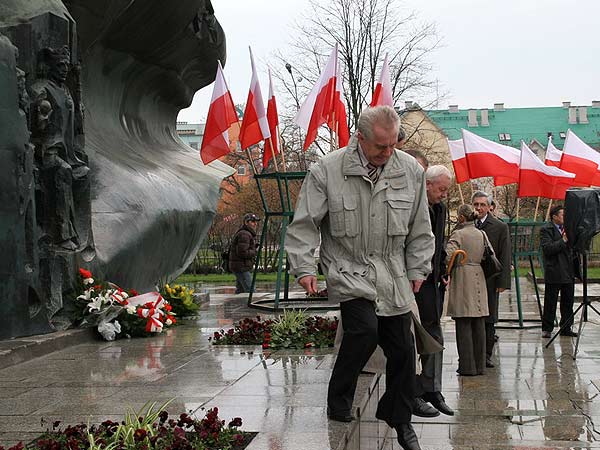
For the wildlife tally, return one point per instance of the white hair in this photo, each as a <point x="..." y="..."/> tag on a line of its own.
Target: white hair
<point x="384" y="116"/>
<point x="436" y="171"/>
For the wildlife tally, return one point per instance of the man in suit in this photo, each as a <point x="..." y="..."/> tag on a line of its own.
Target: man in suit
<point x="559" y="274"/>
<point x="430" y="298"/>
<point x="499" y="236"/>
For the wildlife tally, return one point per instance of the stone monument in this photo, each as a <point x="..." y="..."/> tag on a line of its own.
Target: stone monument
<point x="94" y="174"/>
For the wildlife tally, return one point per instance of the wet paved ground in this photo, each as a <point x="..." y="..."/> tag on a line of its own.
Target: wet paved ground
<point x="535" y="398"/>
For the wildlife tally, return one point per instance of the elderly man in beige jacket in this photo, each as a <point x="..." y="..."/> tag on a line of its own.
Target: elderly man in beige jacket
<point x="368" y="206"/>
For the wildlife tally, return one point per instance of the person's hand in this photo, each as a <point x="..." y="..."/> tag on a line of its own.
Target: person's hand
<point x="445" y="280"/>
<point x="416" y="285"/>
<point x="564" y="237"/>
<point x="500" y="290"/>
<point x="309" y="283"/>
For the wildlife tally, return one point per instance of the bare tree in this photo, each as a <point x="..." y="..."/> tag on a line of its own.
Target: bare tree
<point x="365" y="30"/>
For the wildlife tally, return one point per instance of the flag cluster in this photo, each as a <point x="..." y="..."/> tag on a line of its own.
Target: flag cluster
<point x="577" y="165"/>
<point x="324" y="105"/>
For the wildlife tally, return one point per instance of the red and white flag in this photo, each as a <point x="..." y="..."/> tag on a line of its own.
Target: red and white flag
<point x="582" y="160"/>
<point x="338" y="122"/>
<point x="459" y="160"/>
<point x="553" y="155"/>
<point x="383" y="90"/>
<point x="221" y="115"/>
<point x="255" y="127"/>
<point x="273" y="120"/>
<point x="318" y="106"/>
<point x="486" y="158"/>
<point x="536" y="179"/>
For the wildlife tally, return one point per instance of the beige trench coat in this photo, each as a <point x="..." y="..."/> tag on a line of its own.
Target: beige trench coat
<point x="467" y="292"/>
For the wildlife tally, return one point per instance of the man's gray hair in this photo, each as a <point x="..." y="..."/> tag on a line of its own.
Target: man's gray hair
<point x="480" y="194"/>
<point x="437" y="171"/>
<point x="383" y="116"/>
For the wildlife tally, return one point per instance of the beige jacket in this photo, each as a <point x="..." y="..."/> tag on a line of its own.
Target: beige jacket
<point x="467" y="293"/>
<point x="374" y="239"/>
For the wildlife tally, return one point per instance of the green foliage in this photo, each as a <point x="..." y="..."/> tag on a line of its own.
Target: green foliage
<point x="293" y="329"/>
<point x="148" y="429"/>
<point x="181" y="299"/>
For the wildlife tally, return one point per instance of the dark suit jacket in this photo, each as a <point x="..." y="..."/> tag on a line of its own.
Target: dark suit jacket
<point x="430" y="297"/>
<point x="499" y="236"/>
<point x="558" y="258"/>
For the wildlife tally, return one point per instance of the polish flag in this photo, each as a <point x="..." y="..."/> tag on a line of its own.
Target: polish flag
<point x="273" y="119"/>
<point x="582" y="160"/>
<point x="318" y="106"/>
<point x="536" y="179"/>
<point x="459" y="160"/>
<point x="486" y="158"/>
<point x="221" y="115"/>
<point x="338" y="122"/>
<point x="383" y="91"/>
<point x="553" y="155"/>
<point x="255" y="127"/>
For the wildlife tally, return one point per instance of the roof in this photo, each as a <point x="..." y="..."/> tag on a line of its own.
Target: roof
<point x="523" y="124"/>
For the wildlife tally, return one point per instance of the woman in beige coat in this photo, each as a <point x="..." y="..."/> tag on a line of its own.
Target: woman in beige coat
<point x="467" y="296"/>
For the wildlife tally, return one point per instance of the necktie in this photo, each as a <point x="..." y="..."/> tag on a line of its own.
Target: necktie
<point x="372" y="171"/>
<point x="562" y="230"/>
<point x="479" y="223"/>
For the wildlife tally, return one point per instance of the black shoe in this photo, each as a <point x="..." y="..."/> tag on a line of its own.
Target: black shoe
<point x="423" y="409"/>
<point x="489" y="363"/>
<point x="343" y="417"/>
<point x="496" y="337"/>
<point x="568" y="333"/>
<point x="439" y="402"/>
<point x="407" y="438"/>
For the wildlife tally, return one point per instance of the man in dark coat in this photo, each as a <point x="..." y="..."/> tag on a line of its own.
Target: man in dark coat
<point x="559" y="274"/>
<point x="499" y="236"/>
<point x="242" y="253"/>
<point x="430" y="299"/>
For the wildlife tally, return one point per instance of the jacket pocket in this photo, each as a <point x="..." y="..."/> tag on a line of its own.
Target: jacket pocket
<point x="398" y="212"/>
<point x="343" y="216"/>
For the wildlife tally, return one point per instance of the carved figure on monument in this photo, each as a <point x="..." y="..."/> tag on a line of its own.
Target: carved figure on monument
<point x="57" y="133"/>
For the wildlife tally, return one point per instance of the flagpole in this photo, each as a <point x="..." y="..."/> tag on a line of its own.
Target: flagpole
<point x="251" y="161"/>
<point x="537" y="206"/>
<point x="518" y="205"/>
<point x="548" y="212"/>
<point x="272" y="153"/>
<point x="331" y="134"/>
<point x="281" y="148"/>
<point x="462" y="198"/>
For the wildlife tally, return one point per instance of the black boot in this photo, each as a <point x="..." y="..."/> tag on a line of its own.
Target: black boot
<point x="439" y="402"/>
<point x="407" y="438"/>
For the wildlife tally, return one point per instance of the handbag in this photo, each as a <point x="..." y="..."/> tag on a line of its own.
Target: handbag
<point x="491" y="266"/>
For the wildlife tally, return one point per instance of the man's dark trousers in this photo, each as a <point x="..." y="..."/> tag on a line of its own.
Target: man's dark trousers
<point x="363" y="330"/>
<point x="430" y="300"/>
<point x="567" y="298"/>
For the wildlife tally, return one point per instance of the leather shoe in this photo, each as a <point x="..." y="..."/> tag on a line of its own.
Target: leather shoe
<point x="341" y="417"/>
<point x="407" y="438"/>
<point x="545" y="334"/>
<point x="568" y="333"/>
<point x="423" y="409"/>
<point x="439" y="402"/>
<point x="489" y="363"/>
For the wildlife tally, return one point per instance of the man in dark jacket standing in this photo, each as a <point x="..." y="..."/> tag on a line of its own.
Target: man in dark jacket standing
<point x="430" y="298"/>
<point x="242" y="253"/>
<point x="559" y="274"/>
<point x="499" y="236"/>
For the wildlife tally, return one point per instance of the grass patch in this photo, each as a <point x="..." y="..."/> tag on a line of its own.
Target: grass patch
<point x="229" y="278"/>
<point x="593" y="272"/>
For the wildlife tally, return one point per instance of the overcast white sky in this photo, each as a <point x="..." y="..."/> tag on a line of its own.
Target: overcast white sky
<point x="520" y="52"/>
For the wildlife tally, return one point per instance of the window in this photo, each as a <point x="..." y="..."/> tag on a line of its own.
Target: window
<point x="241" y="170"/>
<point x="504" y="137"/>
<point x="562" y="135"/>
